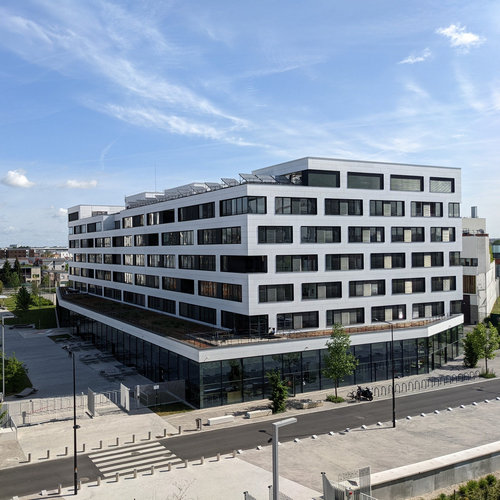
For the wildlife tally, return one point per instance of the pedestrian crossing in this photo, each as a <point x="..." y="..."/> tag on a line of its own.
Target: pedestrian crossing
<point x="126" y="459"/>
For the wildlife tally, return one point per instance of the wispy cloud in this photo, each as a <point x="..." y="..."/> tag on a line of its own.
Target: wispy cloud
<point x="460" y="38"/>
<point x="417" y="57"/>
<point x="75" y="184"/>
<point x="61" y="212"/>
<point x="17" y="178"/>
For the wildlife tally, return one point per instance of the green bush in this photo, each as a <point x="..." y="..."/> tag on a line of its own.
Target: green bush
<point x="334" y="399"/>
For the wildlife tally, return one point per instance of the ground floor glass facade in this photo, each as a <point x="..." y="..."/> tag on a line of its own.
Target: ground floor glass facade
<point x="244" y="379"/>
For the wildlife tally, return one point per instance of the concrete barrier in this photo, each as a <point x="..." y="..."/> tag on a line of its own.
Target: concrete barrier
<point x="221" y="420"/>
<point x="258" y="413"/>
<point x="430" y="475"/>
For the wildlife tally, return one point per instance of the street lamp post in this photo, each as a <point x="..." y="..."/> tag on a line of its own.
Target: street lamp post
<point x="392" y="370"/>
<point x="75" y="427"/>
<point x="276" y="426"/>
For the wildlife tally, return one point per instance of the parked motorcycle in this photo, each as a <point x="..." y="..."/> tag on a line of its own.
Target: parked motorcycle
<point x="365" y="393"/>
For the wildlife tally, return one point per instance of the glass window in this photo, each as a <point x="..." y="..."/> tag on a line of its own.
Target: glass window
<point x="387" y="260"/>
<point x="275" y="293"/>
<point x="326" y="290"/>
<point x="297" y="321"/>
<point x="243" y="205"/>
<point x="296" y="263"/>
<point x="320" y="178"/>
<point x="444" y="234"/>
<point x="340" y="262"/>
<point x="442" y="185"/>
<point x="366" y="234"/>
<point x="407" y="234"/>
<point x="443" y="283"/>
<point x="366" y="288"/>
<point x="365" y="181"/>
<point x="295" y="206"/>
<point x="320" y="234"/>
<point x="345" y="317"/>
<point x="275" y="234"/>
<point x="387" y="208"/>
<point x="453" y="209"/>
<point x="410" y="285"/>
<point x="406" y="183"/>
<point x="343" y="207"/>
<point x="426" y="209"/>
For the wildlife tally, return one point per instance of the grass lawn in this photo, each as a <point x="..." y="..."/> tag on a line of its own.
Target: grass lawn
<point x="496" y="307"/>
<point x="41" y="317"/>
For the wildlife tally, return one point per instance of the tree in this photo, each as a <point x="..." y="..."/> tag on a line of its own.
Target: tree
<point x="45" y="280"/>
<point x="17" y="270"/>
<point x="5" y="273"/>
<point x="339" y="361"/>
<point x="473" y="346"/>
<point x="279" y="391"/>
<point x="23" y="299"/>
<point x="491" y="343"/>
<point x="35" y="292"/>
<point x="1" y="287"/>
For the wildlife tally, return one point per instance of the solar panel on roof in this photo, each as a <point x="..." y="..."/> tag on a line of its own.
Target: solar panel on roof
<point x="267" y="178"/>
<point x="229" y="182"/>
<point x="250" y="178"/>
<point x="213" y="185"/>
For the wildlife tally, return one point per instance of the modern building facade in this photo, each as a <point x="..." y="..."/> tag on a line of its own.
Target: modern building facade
<point x="268" y="264"/>
<point x="480" y="283"/>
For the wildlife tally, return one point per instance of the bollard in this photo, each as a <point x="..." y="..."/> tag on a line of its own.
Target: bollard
<point x="185" y="464"/>
<point x="169" y="466"/>
<point x="234" y="453"/>
<point x="218" y="457"/>
<point x="117" y="441"/>
<point x="48" y="454"/>
<point x="164" y="432"/>
<point x="149" y="436"/>
<point x="135" y="473"/>
<point x="202" y="460"/>
<point x="180" y="429"/>
<point x="65" y="450"/>
<point x="79" y="485"/>
<point x="29" y="458"/>
<point x="98" y="481"/>
<point x="117" y="476"/>
<point x="59" y="489"/>
<point x="83" y="448"/>
<point x="100" y="444"/>
<point x="152" y="470"/>
<point x="133" y="438"/>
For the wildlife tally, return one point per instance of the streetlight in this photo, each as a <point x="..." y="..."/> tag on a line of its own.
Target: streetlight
<point x="392" y="365"/>
<point x="6" y="315"/>
<point x="276" y="426"/>
<point x="75" y="427"/>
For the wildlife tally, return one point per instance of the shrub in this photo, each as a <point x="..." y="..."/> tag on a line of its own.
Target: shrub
<point x="334" y="399"/>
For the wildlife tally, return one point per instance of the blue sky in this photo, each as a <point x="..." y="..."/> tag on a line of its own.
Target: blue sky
<point x="102" y="99"/>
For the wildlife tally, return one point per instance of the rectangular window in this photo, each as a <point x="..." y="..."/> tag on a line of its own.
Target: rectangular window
<point x="178" y="238"/>
<point x="327" y="290"/>
<point x="339" y="262"/>
<point x="444" y="234"/>
<point x="243" y="264"/>
<point x="387" y="260"/>
<point x="137" y="299"/>
<point x="243" y="205"/>
<point x="146" y="240"/>
<point x="296" y="263"/>
<point x="163" y="217"/>
<point x="275" y="234"/>
<point x="366" y="288"/>
<point x="198" y="313"/>
<point x="455" y="259"/>
<point x="112" y="293"/>
<point x="469" y="284"/>
<point x="321" y="178"/>
<point x="113" y="258"/>
<point x="388" y="313"/>
<point x="456" y="307"/>
<point x="443" y="283"/>
<point x="442" y="185"/>
<point x="407" y="234"/>
<point x="197" y="262"/>
<point x="406" y="183"/>
<point x="218" y="236"/>
<point x="343" y="207"/>
<point x="407" y="286"/>
<point x="295" y="206"/>
<point x="194" y="212"/>
<point x="156" y="260"/>
<point x="426" y="209"/>
<point x="127" y="222"/>
<point x="224" y="291"/>
<point x="467" y="261"/>
<point x="345" y="317"/>
<point x="297" y="321"/>
<point x="72" y="216"/>
<point x="320" y="234"/>
<point x="365" y="234"/>
<point x="387" y="208"/>
<point x="427" y="310"/>
<point x="431" y="259"/>
<point x="159" y="304"/>
<point x="178" y="285"/>
<point x="147" y="280"/>
<point x="453" y="209"/>
<point x="275" y="293"/>
<point x="365" y="181"/>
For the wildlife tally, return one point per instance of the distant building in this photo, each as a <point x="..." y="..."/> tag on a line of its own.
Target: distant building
<point x="480" y="285"/>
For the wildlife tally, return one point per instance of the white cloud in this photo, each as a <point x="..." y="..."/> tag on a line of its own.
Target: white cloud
<point x="17" y="178"/>
<point x="460" y="38"/>
<point x="74" y="184"/>
<point x="61" y="212"/>
<point x="416" y="58"/>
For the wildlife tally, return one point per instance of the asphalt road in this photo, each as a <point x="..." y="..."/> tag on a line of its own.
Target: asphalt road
<point x="29" y="479"/>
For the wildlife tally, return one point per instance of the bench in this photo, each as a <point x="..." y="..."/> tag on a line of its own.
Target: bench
<point x="258" y="413"/>
<point x="305" y="405"/>
<point x="221" y="420"/>
<point x="26" y="392"/>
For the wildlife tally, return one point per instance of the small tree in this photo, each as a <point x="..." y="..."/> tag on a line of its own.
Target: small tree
<point x="17" y="270"/>
<point x="5" y="273"/>
<point x="279" y="391"/>
<point x="491" y="343"/>
<point x="339" y="361"/>
<point x="473" y="347"/>
<point x="23" y="299"/>
<point x="35" y="292"/>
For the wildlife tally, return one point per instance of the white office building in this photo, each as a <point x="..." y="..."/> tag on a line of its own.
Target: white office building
<point x="266" y="264"/>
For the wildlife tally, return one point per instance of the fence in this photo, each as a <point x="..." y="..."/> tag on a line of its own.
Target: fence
<point x="422" y="385"/>
<point x="355" y="485"/>
<point x="161" y="393"/>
